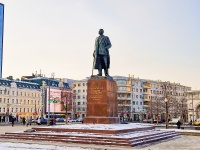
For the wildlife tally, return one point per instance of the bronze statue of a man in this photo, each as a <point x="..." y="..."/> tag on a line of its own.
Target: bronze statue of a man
<point x="101" y="53"/>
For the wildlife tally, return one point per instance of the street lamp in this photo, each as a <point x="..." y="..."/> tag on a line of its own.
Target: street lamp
<point x="54" y="101"/>
<point x="166" y="118"/>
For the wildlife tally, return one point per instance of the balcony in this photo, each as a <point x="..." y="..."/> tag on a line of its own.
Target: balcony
<point x="147" y="92"/>
<point x="123" y="105"/>
<point x="147" y="99"/>
<point x="123" y="91"/>
<point x="123" y="98"/>
<point x="146" y="106"/>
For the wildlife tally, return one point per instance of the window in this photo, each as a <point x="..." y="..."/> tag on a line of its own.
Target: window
<point x="24" y="109"/>
<point x="83" y="103"/>
<point x="4" y="100"/>
<point x="83" y="96"/>
<point x="136" y="90"/>
<point x="4" y="110"/>
<point x="0" y="91"/>
<point x="83" y="109"/>
<point x="136" y="96"/>
<point x="28" y="101"/>
<point x="133" y="102"/>
<point x="0" y="109"/>
<point x="79" y="91"/>
<point x="140" y="103"/>
<point x="141" y="96"/>
<point x="79" y="103"/>
<point x="83" y="90"/>
<point x="21" y="93"/>
<point x="74" y="91"/>
<point x="79" y="97"/>
<point x="12" y="101"/>
<point x="8" y="100"/>
<point x="83" y="84"/>
<point x="24" y="101"/>
<point x="140" y="90"/>
<point x="79" y="84"/>
<point x="0" y="100"/>
<point x="136" y="103"/>
<point x="16" y="101"/>
<point x="12" y="110"/>
<point x="13" y="93"/>
<point x="20" y="110"/>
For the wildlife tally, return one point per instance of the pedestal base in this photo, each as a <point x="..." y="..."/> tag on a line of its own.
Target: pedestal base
<point x="102" y="120"/>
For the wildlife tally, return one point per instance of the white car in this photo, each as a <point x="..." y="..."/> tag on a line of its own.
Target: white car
<point x="71" y="120"/>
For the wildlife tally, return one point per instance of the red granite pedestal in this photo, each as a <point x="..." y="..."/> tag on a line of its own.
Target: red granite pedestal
<point x="101" y="101"/>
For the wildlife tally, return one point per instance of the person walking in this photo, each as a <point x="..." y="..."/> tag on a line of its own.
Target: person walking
<point x="13" y="121"/>
<point x="23" y="121"/>
<point x="178" y="124"/>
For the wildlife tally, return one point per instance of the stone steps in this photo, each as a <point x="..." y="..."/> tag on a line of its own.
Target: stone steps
<point x="117" y="140"/>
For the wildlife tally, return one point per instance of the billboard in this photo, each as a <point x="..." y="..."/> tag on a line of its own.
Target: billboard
<point x="1" y="36"/>
<point x="58" y="100"/>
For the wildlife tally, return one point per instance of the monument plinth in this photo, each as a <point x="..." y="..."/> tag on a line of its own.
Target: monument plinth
<point x="101" y="101"/>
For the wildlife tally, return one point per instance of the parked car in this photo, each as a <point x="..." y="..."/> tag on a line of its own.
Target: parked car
<point x="60" y="120"/>
<point x="71" y="120"/>
<point x="196" y="122"/>
<point x="80" y="120"/>
<point x="44" y="121"/>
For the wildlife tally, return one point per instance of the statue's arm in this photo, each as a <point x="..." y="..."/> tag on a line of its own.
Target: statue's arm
<point x="108" y="43"/>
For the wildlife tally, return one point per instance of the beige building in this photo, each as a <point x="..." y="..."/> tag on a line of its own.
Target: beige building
<point x="139" y="98"/>
<point x="80" y="97"/>
<point x="193" y="102"/>
<point x="19" y="99"/>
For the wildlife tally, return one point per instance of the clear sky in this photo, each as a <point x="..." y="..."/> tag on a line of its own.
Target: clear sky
<point x="151" y="39"/>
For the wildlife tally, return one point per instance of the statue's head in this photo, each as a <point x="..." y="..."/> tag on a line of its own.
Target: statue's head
<point x="101" y="31"/>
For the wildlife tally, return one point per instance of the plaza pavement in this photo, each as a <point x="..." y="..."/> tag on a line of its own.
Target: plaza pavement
<point x="183" y="143"/>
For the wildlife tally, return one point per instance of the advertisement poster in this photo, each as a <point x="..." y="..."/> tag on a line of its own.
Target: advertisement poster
<point x="59" y="100"/>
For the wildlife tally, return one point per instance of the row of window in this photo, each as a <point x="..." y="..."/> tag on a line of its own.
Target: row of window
<point x="79" y="91"/>
<point x="19" y="93"/>
<point x="17" y="110"/>
<point x="19" y="102"/>
<point x="79" y="84"/>
<point x="79" y="103"/>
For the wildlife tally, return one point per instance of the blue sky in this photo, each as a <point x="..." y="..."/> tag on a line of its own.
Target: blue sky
<point x="150" y="39"/>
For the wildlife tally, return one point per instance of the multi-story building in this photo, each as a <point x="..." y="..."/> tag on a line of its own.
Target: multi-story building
<point x="57" y="96"/>
<point x="19" y="99"/>
<point x="1" y="36"/>
<point x="80" y="97"/>
<point x="140" y="99"/>
<point x="193" y="102"/>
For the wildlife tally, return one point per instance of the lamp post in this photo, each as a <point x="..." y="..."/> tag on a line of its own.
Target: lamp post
<point x="166" y="117"/>
<point x="54" y="101"/>
<point x="66" y="114"/>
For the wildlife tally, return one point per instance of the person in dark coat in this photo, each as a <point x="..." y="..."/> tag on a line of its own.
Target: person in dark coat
<point x="13" y="121"/>
<point x="23" y="121"/>
<point x="178" y="124"/>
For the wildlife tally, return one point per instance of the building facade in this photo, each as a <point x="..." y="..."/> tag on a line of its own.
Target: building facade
<point x="80" y="97"/>
<point x="19" y="99"/>
<point x="193" y="102"/>
<point x="140" y="99"/>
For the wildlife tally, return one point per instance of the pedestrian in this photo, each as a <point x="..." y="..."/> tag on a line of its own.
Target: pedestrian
<point x="190" y="122"/>
<point x="30" y="120"/>
<point x="23" y="121"/>
<point x="13" y="120"/>
<point x="178" y="124"/>
<point x="27" y="121"/>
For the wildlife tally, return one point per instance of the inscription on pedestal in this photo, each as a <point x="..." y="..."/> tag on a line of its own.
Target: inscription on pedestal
<point x="101" y="101"/>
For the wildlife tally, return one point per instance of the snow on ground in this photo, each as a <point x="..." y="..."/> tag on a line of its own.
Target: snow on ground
<point x="23" y="146"/>
<point x="101" y="126"/>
